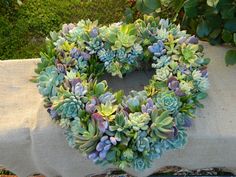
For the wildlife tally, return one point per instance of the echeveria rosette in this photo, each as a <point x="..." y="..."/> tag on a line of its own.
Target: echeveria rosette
<point x="158" y="48"/>
<point x="68" y="107"/>
<point x="48" y="81"/>
<point x="167" y="101"/>
<point x="139" y="121"/>
<point x="110" y="128"/>
<point x="142" y="142"/>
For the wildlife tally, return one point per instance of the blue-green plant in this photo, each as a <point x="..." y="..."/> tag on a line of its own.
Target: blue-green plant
<point x="167" y="101"/>
<point x="139" y="121"/>
<point x="110" y="128"/>
<point x="162" y="124"/>
<point x="49" y="80"/>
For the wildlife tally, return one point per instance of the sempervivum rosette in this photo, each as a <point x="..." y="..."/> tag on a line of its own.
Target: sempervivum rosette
<point x="110" y="127"/>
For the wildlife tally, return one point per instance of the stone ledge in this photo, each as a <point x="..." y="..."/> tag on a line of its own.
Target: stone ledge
<point x="30" y="143"/>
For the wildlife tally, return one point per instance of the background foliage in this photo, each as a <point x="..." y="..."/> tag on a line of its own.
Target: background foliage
<point x="211" y="20"/>
<point x="25" y="26"/>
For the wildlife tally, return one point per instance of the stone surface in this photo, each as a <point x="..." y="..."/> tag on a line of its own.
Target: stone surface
<point x="31" y="143"/>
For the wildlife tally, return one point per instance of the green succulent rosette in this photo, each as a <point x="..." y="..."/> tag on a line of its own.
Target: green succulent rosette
<point x="110" y="127"/>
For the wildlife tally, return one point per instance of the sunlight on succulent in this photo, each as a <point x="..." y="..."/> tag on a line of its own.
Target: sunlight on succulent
<point x="189" y="53"/>
<point x="162" y="74"/>
<point x="107" y="110"/>
<point x="139" y="121"/>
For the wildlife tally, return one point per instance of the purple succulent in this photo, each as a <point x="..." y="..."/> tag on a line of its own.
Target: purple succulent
<point x="182" y="40"/>
<point x="158" y="49"/>
<point x="67" y="27"/>
<point x="60" y="68"/>
<point x="94" y="156"/>
<point x="94" y="32"/>
<point x="79" y="89"/>
<point x="75" y="53"/>
<point x="192" y="40"/>
<point x="53" y="114"/>
<point x="189" y="40"/>
<point x="62" y="54"/>
<point x="204" y="72"/>
<point x="148" y="108"/>
<point x="113" y="140"/>
<point x="85" y="55"/>
<point x="184" y="70"/>
<point x="174" y="132"/>
<point x="102" y="123"/>
<point x="187" y="122"/>
<point x="102" y="148"/>
<point x="178" y="92"/>
<point x="97" y="116"/>
<point x="73" y="82"/>
<point x="90" y="108"/>
<point x="173" y="83"/>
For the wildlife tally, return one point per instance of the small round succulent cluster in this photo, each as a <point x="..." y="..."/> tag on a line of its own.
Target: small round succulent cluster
<point x="110" y="127"/>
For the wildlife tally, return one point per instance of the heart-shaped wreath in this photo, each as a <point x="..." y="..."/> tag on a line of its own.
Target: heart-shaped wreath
<point x="110" y="127"/>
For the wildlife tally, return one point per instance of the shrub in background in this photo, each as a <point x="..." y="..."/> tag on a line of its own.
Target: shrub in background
<point x="212" y="20"/>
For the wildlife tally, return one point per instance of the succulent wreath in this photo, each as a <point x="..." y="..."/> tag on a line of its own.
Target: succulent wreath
<point x="111" y="127"/>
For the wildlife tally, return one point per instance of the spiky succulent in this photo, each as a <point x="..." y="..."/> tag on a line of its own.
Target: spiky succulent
<point x="85" y="137"/>
<point x="162" y="124"/>
<point x="107" y="110"/>
<point x="48" y="81"/>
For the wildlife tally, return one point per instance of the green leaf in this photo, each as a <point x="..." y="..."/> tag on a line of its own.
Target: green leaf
<point x="19" y="2"/>
<point x="215" y="33"/>
<point x="152" y="4"/>
<point x="201" y="96"/>
<point x="230" y="58"/>
<point x="227" y="36"/>
<point x="142" y="8"/>
<point x="129" y="18"/>
<point x="212" y="3"/>
<point x="119" y="95"/>
<point x="159" y="85"/>
<point x="111" y="156"/>
<point x="190" y="8"/>
<point x="203" y="29"/>
<point x="231" y="25"/>
<point x="235" y="38"/>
